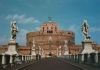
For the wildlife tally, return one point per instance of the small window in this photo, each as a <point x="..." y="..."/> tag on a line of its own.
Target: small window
<point x="49" y="31"/>
<point x="69" y="33"/>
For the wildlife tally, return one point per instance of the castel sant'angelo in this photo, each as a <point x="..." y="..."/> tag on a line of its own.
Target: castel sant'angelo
<point x="49" y="40"/>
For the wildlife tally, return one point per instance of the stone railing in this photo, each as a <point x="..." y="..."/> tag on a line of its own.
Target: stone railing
<point x="91" y="59"/>
<point x="14" y="59"/>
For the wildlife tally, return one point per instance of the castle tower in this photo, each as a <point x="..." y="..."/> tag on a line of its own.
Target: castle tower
<point x="50" y="29"/>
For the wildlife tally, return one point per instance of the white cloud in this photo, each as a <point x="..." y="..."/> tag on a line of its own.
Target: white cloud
<point x="21" y="37"/>
<point x="22" y="19"/>
<point x="94" y="29"/>
<point x="73" y="28"/>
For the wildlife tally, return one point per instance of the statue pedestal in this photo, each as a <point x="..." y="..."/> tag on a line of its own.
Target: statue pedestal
<point x="87" y="45"/>
<point x="66" y="52"/>
<point x="12" y="48"/>
<point x="33" y="52"/>
<point x="33" y="49"/>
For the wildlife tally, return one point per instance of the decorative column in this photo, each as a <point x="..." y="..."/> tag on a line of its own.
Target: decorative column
<point x="96" y="58"/>
<point x="89" y="58"/>
<point x="28" y="57"/>
<point x="22" y="57"/>
<point x="25" y="58"/>
<point x="74" y="57"/>
<point x="82" y="59"/>
<point x="77" y="57"/>
<point x="3" y="59"/>
<point x="69" y="56"/>
<point x="11" y="59"/>
<point x="31" y="57"/>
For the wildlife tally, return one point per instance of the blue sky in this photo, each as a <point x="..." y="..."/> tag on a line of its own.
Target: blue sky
<point x="30" y="14"/>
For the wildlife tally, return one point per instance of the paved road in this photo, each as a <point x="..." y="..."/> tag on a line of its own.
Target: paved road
<point x="50" y="64"/>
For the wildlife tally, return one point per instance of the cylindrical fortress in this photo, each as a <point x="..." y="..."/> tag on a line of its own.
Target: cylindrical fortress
<point x="50" y="38"/>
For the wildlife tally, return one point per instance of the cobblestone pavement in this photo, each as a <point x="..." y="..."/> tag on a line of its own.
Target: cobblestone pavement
<point x="50" y="64"/>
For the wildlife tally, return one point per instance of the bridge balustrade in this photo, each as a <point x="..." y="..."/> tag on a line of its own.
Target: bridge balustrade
<point x="98" y="57"/>
<point x="6" y="60"/>
<point x="0" y="60"/>
<point x="92" y="58"/>
<point x="79" y="58"/>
